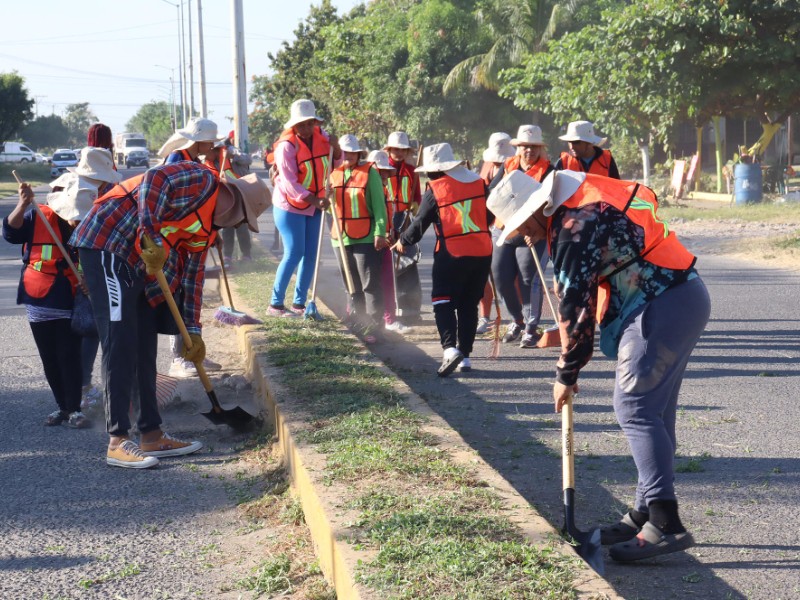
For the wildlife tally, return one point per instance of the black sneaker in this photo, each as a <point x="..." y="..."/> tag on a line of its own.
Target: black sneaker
<point x="650" y="542"/>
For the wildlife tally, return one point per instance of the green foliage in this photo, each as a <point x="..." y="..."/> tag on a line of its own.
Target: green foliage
<point x="78" y="118"/>
<point x="48" y="131"/>
<point x="15" y="104"/>
<point x="154" y="120"/>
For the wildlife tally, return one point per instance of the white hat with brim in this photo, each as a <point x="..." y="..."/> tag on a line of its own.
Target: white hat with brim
<point x="398" y="139"/>
<point x="528" y="135"/>
<point x="196" y="130"/>
<point x="349" y="143"/>
<point x="518" y="197"/>
<point x="380" y="159"/>
<point x="581" y="131"/>
<point x="499" y="149"/>
<point x="97" y="164"/>
<point x="301" y="110"/>
<point x="75" y="201"/>
<point x="240" y="199"/>
<point x="438" y="157"/>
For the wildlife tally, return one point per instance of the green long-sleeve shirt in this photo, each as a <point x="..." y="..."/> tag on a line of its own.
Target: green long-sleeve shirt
<point x="376" y="205"/>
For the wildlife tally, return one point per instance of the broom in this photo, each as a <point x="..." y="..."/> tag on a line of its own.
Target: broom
<point x="311" y="307"/>
<point x="228" y="315"/>
<point x="495" y="352"/>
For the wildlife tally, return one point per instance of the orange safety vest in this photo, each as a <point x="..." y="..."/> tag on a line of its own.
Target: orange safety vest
<point x="45" y="260"/>
<point x="538" y="170"/>
<point x="639" y="204"/>
<point x="312" y="163"/>
<point x="599" y="166"/>
<point x="224" y="166"/>
<point x="355" y="219"/>
<point x="400" y="187"/>
<point x="462" y="214"/>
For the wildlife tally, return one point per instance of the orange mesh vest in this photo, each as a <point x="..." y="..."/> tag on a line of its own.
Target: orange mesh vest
<point x="400" y="187"/>
<point x="599" y="166"/>
<point x="351" y="201"/>
<point x="312" y="163"/>
<point x="537" y="170"/>
<point x="43" y="263"/>
<point x="639" y="204"/>
<point x="462" y="213"/>
<point x="124" y="189"/>
<point x="195" y="231"/>
<point x="223" y="166"/>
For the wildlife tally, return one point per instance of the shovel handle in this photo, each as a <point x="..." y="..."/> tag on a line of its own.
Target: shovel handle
<point x="225" y="277"/>
<point x="567" y="446"/>
<point x="347" y="275"/>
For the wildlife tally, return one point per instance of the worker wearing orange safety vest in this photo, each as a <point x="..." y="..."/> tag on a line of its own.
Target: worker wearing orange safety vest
<point x="607" y="240"/>
<point x="357" y="192"/>
<point x="455" y="204"/>
<point x="584" y="152"/>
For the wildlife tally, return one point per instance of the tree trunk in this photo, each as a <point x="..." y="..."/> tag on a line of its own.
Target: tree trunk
<point x="699" y="169"/>
<point x="644" y="148"/>
<point x="768" y="131"/>
<point x="718" y="151"/>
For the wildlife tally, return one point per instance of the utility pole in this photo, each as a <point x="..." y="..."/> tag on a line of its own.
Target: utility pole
<point x="183" y="70"/>
<point x="36" y="103"/>
<point x="202" y="77"/>
<point x="239" y="82"/>
<point x="191" y="64"/>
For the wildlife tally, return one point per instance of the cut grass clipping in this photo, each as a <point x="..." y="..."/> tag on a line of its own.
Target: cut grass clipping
<point x="433" y="529"/>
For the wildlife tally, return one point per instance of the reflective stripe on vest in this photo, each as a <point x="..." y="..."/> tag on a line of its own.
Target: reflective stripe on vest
<point x="195" y="231"/>
<point x="44" y="257"/>
<point x="640" y="205"/>
<point x="599" y="166"/>
<point x="538" y="170"/>
<point x="462" y="213"/>
<point x="312" y="163"/>
<point x="355" y="219"/>
<point x="402" y="187"/>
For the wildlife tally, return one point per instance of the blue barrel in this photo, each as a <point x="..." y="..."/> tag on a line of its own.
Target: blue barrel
<point x="747" y="183"/>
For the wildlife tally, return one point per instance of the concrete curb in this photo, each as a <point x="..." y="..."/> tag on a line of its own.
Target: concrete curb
<point x="327" y="522"/>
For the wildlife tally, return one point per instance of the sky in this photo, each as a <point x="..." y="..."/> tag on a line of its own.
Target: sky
<point x="120" y="54"/>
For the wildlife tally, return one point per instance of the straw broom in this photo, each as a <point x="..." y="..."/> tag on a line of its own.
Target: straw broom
<point x="228" y="315"/>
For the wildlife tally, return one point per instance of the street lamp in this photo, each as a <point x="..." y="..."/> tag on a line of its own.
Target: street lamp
<point x="171" y="95"/>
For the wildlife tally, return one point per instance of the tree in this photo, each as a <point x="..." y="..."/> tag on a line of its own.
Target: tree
<point x="15" y="104"/>
<point x="78" y="118"/>
<point x="46" y="132"/>
<point x="154" y="120"/>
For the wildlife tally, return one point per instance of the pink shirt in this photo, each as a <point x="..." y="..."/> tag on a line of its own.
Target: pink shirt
<point x="286" y="181"/>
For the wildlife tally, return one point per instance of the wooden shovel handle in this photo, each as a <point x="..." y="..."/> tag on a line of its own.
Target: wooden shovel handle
<point x="567" y="446"/>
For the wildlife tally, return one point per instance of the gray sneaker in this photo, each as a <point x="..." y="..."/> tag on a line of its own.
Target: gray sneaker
<point x="529" y="340"/>
<point x="483" y="325"/>
<point x="513" y="332"/>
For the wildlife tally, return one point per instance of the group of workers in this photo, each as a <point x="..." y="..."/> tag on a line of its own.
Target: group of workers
<point x="616" y="265"/>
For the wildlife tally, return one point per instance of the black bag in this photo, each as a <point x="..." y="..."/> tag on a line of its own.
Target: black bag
<point x="83" y="316"/>
<point x="409" y="258"/>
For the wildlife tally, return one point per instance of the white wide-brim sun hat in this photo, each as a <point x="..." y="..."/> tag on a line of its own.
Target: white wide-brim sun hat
<point x="196" y="130"/>
<point x="398" y="139"/>
<point x="439" y="158"/>
<point x="98" y="164"/>
<point x="75" y="201"/>
<point x="581" y="131"/>
<point x="519" y="196"/>
<point x="528" y="135"/>
<point x="499" y="149"/>
<point x="301" y="110"/>
<point x="380" y="159"/>
<point x="349" y="143"/>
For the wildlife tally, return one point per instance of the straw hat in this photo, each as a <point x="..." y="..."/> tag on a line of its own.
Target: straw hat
<point x="301" y="110"/>
<point x="499" y="148"/>
<point x="398" y="139"/>
<point x="196" y="130"/>
<point x="97" y="163"/>
<point x="528" y="135"/>
<point x="75" y="201"/>
<point x="439" y="157"/>
<point x="349" y="143"/>
<point x="519" y="196"/>
<point x="581" y="131"/>
<point x="381" y="160"/>
<point x="241" y="199"/>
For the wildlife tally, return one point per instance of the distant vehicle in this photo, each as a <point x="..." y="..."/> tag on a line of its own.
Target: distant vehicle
<point x="41" y="158"/>
<point x="61" y="160"/>
<point x="125" y="143"/>
<point x="137" y="158"/>
<point x="16" y="152"/>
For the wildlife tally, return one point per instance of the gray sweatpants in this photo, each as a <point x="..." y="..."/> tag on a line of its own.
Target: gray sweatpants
<point x="653" y="353"/>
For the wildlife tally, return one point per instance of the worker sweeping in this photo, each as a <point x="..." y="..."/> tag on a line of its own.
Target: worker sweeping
<point x="180" y="207"/>
<point x="617" y="263"/>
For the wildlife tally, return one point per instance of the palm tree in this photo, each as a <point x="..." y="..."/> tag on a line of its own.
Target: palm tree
<point x="518" y="27"/>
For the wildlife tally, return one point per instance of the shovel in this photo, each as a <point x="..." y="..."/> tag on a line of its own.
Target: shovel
<point x="236" y="417"/>
<point x="587" y="543"/>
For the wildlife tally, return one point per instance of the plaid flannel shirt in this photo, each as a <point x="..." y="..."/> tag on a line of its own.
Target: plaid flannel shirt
<point x="167" y="193"/>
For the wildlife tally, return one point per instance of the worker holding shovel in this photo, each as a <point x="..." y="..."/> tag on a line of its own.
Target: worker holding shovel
<point x="616" y="263"/>
<point x="179" y="207"/>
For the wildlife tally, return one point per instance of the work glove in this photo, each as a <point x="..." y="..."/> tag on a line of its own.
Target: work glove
<point x="154" y="256"/>
<point x="197" y="352"/>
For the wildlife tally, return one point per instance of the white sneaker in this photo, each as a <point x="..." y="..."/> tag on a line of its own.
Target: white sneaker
<point x="465" y="365"/>
<point x="398" y="327"/>
<point x="483" y="325"/>
<point x="182" y="368"/>
<point x="450" y="360"/>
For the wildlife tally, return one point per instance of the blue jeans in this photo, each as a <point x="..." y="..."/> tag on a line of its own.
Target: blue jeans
<point x="300" y="235"/>
<point x="653" y="353"/>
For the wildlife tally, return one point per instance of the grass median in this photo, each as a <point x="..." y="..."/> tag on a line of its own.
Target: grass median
<point x="430" y="527"/>
<point x="35" y="174"/>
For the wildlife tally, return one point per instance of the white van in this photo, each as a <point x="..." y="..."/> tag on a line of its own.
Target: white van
<point x="16" y="152"/>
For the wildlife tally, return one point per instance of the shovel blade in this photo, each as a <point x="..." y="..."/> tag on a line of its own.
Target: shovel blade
<point x="236" y="417"/>
<point x="589" y="548"/>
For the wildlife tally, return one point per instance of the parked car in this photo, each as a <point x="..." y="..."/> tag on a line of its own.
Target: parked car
<point x="16" y="152"/>
<point x="41" y="158"/>
<point x="137" y="158"/>
<point x="61" y="160"/>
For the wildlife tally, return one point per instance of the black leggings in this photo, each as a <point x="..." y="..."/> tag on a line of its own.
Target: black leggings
<point x="60" y="351"/>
